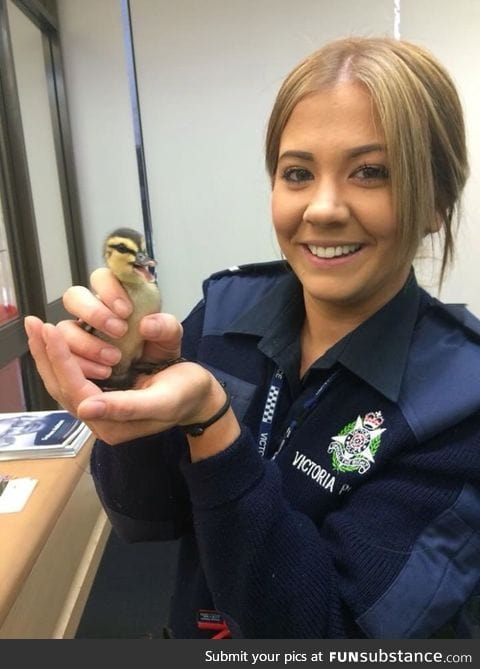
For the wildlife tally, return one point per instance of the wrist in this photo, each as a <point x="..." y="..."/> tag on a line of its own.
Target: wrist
<point x="216" y="439"/>
<point x="215" y="427"/>
<point x="198" y="428"/>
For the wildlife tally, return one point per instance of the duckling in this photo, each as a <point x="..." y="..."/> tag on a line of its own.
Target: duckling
<point x="125" y="254"/>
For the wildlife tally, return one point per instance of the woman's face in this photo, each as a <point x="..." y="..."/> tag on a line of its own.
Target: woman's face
<point x="332" y="202"/>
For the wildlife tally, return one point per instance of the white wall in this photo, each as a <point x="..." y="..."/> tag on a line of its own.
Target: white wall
<point x="208" y="73"/>
<point x="31" y="77"/>
<point x="451" y="31"/>
<point x="99" y="106"/>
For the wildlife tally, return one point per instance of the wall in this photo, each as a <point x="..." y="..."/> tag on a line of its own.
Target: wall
<point x="102" y="131"/>
<point x="451" y="31"/>
<point x="208" y="73"/>
<point x="32" y="83"/>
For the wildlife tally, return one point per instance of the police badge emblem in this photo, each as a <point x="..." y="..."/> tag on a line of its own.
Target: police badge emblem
<point x="354" y="448"/>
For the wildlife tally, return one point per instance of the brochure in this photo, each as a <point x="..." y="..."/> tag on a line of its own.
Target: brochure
<point x="41" y="434"/>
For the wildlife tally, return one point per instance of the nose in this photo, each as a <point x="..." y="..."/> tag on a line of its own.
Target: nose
<point x="327" y="206"/>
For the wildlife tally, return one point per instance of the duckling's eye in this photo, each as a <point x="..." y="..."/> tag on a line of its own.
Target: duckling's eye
<point x="121" y="248"/>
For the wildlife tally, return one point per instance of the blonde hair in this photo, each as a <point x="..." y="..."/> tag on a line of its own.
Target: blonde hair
<point x="422" y="119"/>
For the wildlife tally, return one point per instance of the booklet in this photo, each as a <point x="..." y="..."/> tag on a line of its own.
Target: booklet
<point x="41" y="434"/>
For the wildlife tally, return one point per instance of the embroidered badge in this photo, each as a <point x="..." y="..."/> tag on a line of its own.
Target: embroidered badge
<point x="353" y="450"/>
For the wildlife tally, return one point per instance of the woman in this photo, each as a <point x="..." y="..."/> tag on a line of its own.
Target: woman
<point x="338" y="496"/>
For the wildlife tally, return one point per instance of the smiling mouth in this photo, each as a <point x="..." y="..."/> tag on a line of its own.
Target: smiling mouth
<point x="333" y="251"/>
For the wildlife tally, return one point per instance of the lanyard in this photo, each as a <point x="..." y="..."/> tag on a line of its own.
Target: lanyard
<point x="265" y="430"/>
<point x="308" y="405"/>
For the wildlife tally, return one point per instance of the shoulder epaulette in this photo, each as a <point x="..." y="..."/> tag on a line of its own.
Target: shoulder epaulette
<point x="461" y="315"/>
<point x="253" y="269"/>
<point x="232" y="292"/>
<point x="441" y="384"/>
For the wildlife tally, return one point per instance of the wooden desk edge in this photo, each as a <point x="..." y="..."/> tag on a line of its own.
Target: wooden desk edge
<point x="26" y="532"/>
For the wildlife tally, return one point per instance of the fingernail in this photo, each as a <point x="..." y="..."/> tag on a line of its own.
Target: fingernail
<point x="116" y="327"/>
<point x="110" y="356"/>
<point x="122" y="308"/>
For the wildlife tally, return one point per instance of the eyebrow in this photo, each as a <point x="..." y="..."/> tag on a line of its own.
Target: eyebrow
<point x="366" y="148"/>
<point x="351" y="153"/>
<point x="303" y="155"/>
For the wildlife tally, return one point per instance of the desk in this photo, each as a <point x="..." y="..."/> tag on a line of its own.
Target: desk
<point x="49" y="551"/>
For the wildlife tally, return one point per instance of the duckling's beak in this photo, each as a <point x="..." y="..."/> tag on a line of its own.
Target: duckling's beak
<point x="144" y="265"/>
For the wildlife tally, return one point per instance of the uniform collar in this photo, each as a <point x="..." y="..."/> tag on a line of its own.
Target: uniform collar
<point x="278" y="316"/>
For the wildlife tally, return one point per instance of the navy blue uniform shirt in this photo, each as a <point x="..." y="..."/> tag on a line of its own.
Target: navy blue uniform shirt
<point x="350" y="504"/>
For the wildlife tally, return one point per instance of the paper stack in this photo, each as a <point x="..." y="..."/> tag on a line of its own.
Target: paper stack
<point x="41" y="434"/>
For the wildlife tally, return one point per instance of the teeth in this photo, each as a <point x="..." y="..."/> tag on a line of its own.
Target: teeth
<point x="333" y="251"/>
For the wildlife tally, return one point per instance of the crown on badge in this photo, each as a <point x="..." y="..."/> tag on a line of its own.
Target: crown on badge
<point x="373" y="420"/>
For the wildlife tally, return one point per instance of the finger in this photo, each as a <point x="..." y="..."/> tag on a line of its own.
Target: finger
<point x="36" y="344"/>
<point x="119" y="432"/>
<point x="86" y="306"/>
<point x="33" y="326"/>
<point x="106" y="430"/>
<point x="127" y="406"/>
<point x="162" y="399"/>
<point x="163" y="334"/>
<point x="111" y="292"/>
<point x="94" y="355"/>
<point x="93" y="370"/>
<point x="71" y="383"/>
<point x="167" y="397"/>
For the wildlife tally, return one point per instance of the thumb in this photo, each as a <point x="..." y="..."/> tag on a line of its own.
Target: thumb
<point x="126" y="405"/>
<point x="163" y="334"/>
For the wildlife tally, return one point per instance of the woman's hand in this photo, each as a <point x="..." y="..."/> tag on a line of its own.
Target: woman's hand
<point x="67" y="356"/>
<point x="182" y="394"/>
<point x="106" y="311"/>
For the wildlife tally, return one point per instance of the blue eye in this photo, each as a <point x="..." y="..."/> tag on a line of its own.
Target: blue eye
<point x="297" y="175"/>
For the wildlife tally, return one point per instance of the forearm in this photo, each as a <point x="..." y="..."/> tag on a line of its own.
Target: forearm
<point x="219" y="434"/>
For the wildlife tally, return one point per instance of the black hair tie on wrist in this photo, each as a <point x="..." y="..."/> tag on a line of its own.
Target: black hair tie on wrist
<point x="197" y="429"/>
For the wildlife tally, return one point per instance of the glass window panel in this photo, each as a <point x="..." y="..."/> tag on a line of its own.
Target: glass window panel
<point x="27" y="45"/>
<point x="11" y="387"/>
<point x="8" y="302"/>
